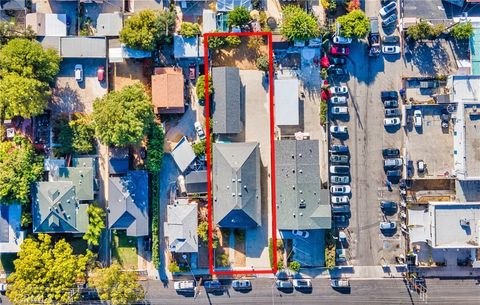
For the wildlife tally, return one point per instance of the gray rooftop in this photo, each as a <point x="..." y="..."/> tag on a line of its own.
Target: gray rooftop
<point x="236" y="185"/>
<point x="226" y="113"/>
<point x="83" y="47"/>
<point x="109" y="24"/>
<point x="181" y="227"/>
<point x="196" y="182"/>
<point x="301" y="203"/>
<point x="128" y="203"/>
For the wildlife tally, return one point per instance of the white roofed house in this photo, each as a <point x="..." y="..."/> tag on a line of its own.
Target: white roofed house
<point x="47" y="24"/>
<point x="286" y="102"/>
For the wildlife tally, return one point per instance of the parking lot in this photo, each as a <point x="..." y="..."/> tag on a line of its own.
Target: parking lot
<point x="69" y="95"/>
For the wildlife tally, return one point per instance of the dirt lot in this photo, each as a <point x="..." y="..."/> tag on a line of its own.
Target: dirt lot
<point x="243" y="56"/>
<point x="131" y="71"/>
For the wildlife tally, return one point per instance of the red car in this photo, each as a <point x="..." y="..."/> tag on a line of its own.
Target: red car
<point x="101" y="73"/>
<point x="337" y="50"/>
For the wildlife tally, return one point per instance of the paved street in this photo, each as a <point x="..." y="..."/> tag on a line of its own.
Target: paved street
<point x="389" y="291"/>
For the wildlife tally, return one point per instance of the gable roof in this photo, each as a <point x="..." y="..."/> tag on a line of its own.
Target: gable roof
<point x="167" y="90"/>
<point x="226" y="113"/>
<point x="82" y="179"/>
<point x="128" y="203"/>
<point x="236" y="184"/>
<point x="118" y="161"/>
<point x="301" y="203"/>
<point x="196" y="182"/>
<point x="183" y="154"/>
<point x="181" y="227"/>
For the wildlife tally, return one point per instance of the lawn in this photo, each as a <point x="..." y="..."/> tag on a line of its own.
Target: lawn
<point x="6" y="262"/>
<point x="124" y="250"/>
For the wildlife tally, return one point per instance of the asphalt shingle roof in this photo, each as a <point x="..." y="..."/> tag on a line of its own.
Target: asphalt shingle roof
<point x="226" y="114"/>
<point x="181" y="227"/>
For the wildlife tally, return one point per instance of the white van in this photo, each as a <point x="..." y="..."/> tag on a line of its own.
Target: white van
<point x="184" y="285"/>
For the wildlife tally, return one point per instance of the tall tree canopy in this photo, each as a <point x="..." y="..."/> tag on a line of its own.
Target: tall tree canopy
<point x="123" y="117"/>
<point x="239" y="16"/>
<point x="19" y="168"/>
<point x="298" y="24"/>
<point x="27" y="58"/>
<point x="46" y="272"/>
<point x="354" y="24"/>
<point x="96" y="224"/>
<point x="117" y="286"/>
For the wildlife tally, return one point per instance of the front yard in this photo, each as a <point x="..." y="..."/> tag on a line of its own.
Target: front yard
<point x="124" y="250"/>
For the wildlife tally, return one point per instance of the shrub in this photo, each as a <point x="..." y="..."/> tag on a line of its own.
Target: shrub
<point x="233" y="41"/>
<point x="354" y="24"/>
<point x="222" y="260"/>
<point x="324" y="73"/>
<point x="420" y="31"/>
<point x="323" y="112"/>
<point x="294" y="266"/>
<point x="199" y="148"/>
<point x="353" y="5"/>
<point x="462" y="31"/>
<point x="188" y="29"/>
<point x="155" y="148"/>
<point x="239" y="16"/>
<point x="263" y="63"/>
<point x="200" y="87"/>
<point x="270" y="251"/>
<point x="280" y="265"/>
<point x="155" y="220"/>
<point x="298" y="24"/>
<point x="173" y="267"/>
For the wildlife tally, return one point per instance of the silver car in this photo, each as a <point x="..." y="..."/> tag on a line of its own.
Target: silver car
<point x="338" y="100"/>
<point x="387" y="9"/>
<point x="340" y="179"/>
<point x="391" y="121"/>
<point x="340" y="189"/>
<point x="388" y="225"/>
<point x="339" y="110"/>
<point x="340" y="200"/>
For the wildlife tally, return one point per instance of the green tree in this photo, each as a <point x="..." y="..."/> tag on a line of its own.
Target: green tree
<point x="263" y="63"/>
<point x="239" y="16"/>
<point x="83" y="134"/>
<point x="117" y="286"/>
<point x="123" y="117"/>
<point x="27" y="58"/>
<point x="21" y="96"/>
<point x="298" y="24"/>
<point x="188" y="29"/>
<point x="46" y="272"/>
<point x="173" y="267"/>
<point x="202" y="231"/>
<point x="19" y="168"/>
<point x="216" y="42"/>
<point x="62" y="135"/>
<point x="294" y="266"/>
<point x="199" y="148"/>
<point x="222" y="260"/>
<point x="10" y="31"/>
<point x="145" y="29"/>
<point x="354" y="24"/>
<point x="420" y="31"/>
<point x="462" y="31"/>
<point x="155" y="148"/>
<point x="233" y="41"/>
<point x="96" y="224"/>
<point x="200" y="87"/>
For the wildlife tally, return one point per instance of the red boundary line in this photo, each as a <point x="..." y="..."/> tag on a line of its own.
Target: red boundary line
<point x="272" y="157"/>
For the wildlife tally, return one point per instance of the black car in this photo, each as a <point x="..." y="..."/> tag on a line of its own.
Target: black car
<point x="388" y="205"/>
<point x="389" y="95"/>
<point x="338" y="60"/>
<point x="391" y="39"/>
<point x="341" y="209"/>
<point x="336" y="71"/>
<point x="391" y="152"/>
<point x="410" y="168"/>
<point x="390" y="104"/>
<point x="392" y="112"/>
<point x="212" y="285"/>
<point x="394" y="173"/>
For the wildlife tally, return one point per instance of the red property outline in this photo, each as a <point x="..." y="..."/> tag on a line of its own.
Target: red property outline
<point x="272" y="158"/>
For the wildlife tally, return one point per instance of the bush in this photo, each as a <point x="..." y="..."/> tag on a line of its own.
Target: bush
<point x="263" y="63"/>
<point x="199" y="148"/>
<point x="83" y="130"/>
<point x="222" y="260"/>
<point x="173" y="267"/>
<point x="420" y="31"/>
<point x="462" y="31"/>
<point x="353" y="5"/>
<point x="280" y="245"/>
<point x="294" y="266"/>
<point x="323" y="112"/>
<point x="200" y="87"/>
<point x="155" y="148"/>
<point x="298" y="24"/>
<point x="188" y="29"/>
<point x="216" y="42"/>
<point x="233" y="41"/>
<point x="155" y="220"/>
<point x="280" y="265"/>
<point x="324" y="73"/>
<point x="354" y="25"/>
<point x="329" y="250"/>
<point x="239" y="16"/>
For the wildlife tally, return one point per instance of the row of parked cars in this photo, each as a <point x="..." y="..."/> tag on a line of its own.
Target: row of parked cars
<point x="388" y="12"/>
<point x="392" y="112"/>
<point x="392" y="164"/>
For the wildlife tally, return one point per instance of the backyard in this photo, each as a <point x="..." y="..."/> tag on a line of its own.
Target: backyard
<point x="243" y="56"/>
<point x="124" y="250"/>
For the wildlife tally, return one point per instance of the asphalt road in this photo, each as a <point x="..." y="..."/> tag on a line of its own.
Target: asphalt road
<point x="388" y="291"/>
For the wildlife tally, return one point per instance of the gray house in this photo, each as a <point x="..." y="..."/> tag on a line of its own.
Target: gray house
<point x="128" y="203"/>
<point x="226" y="113"/>
<point x="236" y="185"/>
<point x="181" y="226"/>
<point x="301" y="203"/>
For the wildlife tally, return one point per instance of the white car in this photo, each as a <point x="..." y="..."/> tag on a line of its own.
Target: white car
<point x="338" y="129"/>
<point x="342" y="40"/>
<point x="340" y="199"/>
<point x="302" y="283"/>
<point x="391" y="122"/>
<point x="338" y="100"/>
<point x="79" y="73"/>
<point x="340" y="189"/>
<point x="303" y="234"/>
<point x="339" y="90"/>
<point x="184" y="285"/>
<point x="387" y="9"/>
<point x="339" y="110"/>
<point x="417" y="118"/>
<point x="199" y="129"/>
<point x="391" y="50"/>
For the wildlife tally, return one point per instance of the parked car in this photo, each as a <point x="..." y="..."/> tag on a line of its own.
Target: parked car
<point x="342" y="159"/>
<point x="341" y="40"/>
<point x="192" y="71"/>
<point x="445" y="116"/>
<point x="410" y="168"/>
<point x="336" y="71"/>
<point x="340" y="179"/>
<point x="339" y="110"/>
<point x="391" y="152"/>
<point x="388" y="205"/>
<point x="392" y="112"/>
<point x="389" y="50"/>
<point x="341" y="209"/>
<point x="388" y="22"/>
<point x="340" y="169"/>
<point x="199" y="129"/>
<point x="338" y="100"/>
<point x="301" y="233"/>
<point x="340" y="200"/>
<point x="338" y="50"/>
<point x="338" y="129"/>
<point x="389" y="95"/>
<point x="283" y="284"/>
<point x="338" y="90"/>
<point x="417" y="118"/>
<point x="388" y="225"/>
<point x="212" y="285"/>
<point x="340" y="189"/>
<point x="101" y="73"/>
<point x="396" y="173"/>
<point x="393" y="162"/>
<point x="391" y="121"/>
<point x="390" y="103"/>
<point x="338" y="60"/>
<point x="339" y="149"/>
<point x="241" y="284"/>
<point x="79" y="73"/>
<point x="391" y="39"/>
<point x="340" y="219"/>
<point x="302" y="283"/>
<point x="387" y="9"/>
<point x="184" y="285"/>
<point x="339" y="283"/>
<point x="420" y="166"/>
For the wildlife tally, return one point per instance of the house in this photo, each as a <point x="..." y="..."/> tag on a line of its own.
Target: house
<point x="183" y="154"/>
<point x="196" y="182"/>
<point x="187" y="48"/>
<point x="236" y="185"/>
<point x="168" y="91"/>
<point x="58" y="205"/>
<point x="226" y="113"/>
<point x="209" y="23"/>
<point x="83" y="47"/>
<point x="286" y="102"/>
<point x="109" y="24"/>
<point x="228" y="5"/>
<point x="181" y="227"/>
<point x="118" y="160"/>
<point x="128" y="203"/>
<point x="301" y="202"/>
<point x="47" y="24"/>
<point x="11" y="234"/>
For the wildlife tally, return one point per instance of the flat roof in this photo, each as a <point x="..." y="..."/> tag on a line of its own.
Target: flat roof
<point x="83" y="47"/>
<point x="464" y="88"/>
<point x="286" y="102"/>
<point x="472" y="142"/>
